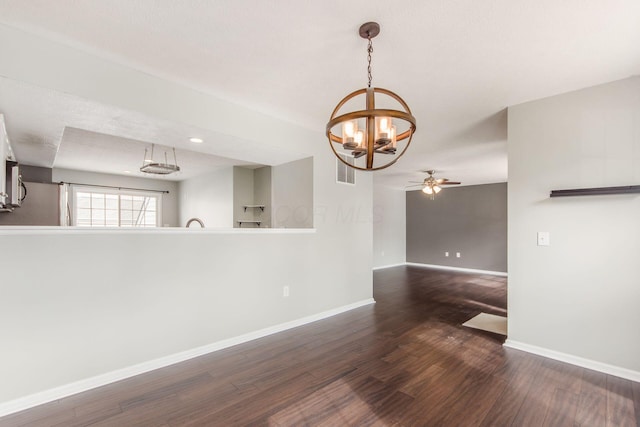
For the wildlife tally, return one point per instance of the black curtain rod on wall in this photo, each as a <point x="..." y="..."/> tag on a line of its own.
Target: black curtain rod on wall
<point x="111" y="186"/>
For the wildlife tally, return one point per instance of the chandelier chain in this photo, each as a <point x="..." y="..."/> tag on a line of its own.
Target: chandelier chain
<point x="369" y="51"/>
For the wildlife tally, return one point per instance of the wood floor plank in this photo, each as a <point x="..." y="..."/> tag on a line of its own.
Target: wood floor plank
<point x="471" y="405"/>
<point x="563" y="408"/>
<point x="636" y="400"/>
<point x="592" y="409"/>
<point x="620" y="403"/>
<point x="551" y="376"/>
<point x="518" y="371"/>
<point x="406" y="361"/>
<point x="51" y="412"/>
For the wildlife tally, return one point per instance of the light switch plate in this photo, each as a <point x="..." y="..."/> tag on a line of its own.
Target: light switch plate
<point x="544" y="239"/>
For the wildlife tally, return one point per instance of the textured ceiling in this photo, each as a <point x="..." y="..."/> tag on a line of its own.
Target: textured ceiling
<point x="49" y="128"/>
<point x="457" y="64"/>
<point x="90" y="151"/>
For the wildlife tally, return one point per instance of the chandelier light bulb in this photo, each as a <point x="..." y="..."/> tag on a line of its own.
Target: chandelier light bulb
<point x="349" y="128"/>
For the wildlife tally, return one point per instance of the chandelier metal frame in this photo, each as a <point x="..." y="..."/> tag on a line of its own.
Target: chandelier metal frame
<point x="371" y="145"/>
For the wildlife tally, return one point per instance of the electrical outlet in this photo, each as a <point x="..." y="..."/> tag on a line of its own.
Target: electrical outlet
<point x="285" y="291"/>
<point x="446" y="254"/>
<point x="544" y="239"/>
<point x="457" y="254"/>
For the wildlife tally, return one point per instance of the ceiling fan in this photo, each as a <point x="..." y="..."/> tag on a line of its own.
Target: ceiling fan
<point x="431" y="185"/>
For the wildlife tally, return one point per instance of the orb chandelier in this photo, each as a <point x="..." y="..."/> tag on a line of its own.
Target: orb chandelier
<point x="375" y="137"/>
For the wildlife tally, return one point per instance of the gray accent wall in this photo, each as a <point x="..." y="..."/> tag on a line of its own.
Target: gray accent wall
<point x="471" y="220"/>
<point x="36" y="174"/>
<point x="40" y="207"/>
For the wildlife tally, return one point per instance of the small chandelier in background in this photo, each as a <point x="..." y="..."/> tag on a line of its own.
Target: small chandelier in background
<point x="149" y="166"/>
<point x="371" y="131"/>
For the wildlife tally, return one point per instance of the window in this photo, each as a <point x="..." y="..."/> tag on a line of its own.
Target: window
<point x="113" y="208"/>
<point x="345" y="174"/>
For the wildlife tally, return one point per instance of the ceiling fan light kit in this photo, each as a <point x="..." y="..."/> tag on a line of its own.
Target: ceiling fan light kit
<point x="432" y="186"/>
<point x="431" y="190"/>
<point x="371" y="131"/>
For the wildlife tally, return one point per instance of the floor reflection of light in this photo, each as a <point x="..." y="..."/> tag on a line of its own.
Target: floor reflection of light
<point x="334" y="404"/>
<point x="485" y="307"/>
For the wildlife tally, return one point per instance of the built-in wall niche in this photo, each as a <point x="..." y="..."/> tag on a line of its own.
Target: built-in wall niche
<point x="252" y="197"/>
<point x="278" y="196"/>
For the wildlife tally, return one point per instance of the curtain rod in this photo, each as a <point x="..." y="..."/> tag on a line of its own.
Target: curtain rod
<point x="111" y="186"/>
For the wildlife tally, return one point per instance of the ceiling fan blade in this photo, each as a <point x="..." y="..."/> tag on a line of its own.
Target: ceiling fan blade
<point x="441" y="180"/>
<point x="450" y="183"/>
<point x="416" y="185"/>
<point x="417" y="182"/>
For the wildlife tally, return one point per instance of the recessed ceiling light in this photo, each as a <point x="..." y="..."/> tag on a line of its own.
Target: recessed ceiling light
<point x="196" y="140"/>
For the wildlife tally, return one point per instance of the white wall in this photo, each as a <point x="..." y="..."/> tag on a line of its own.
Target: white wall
<point x="389" y="225"/>
<point x="136" y="297"/>
<point x="169" y="200"/>
<point x="292" y="194"/>
<point x="580" y="295"/>
<point x="208" y="197"/>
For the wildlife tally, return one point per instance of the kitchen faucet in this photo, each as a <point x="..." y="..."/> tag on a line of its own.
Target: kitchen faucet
<point x="198" y="220"/>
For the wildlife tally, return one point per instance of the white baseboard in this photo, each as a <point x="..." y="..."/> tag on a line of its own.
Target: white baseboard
<point x="460" y="269"/>
<point x="36" y="399"/>
<point x="575" y="360"/>
<point x="389" y="266"/>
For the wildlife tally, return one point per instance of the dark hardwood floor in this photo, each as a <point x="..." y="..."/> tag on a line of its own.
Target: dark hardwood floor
<point x="403" y="361"/>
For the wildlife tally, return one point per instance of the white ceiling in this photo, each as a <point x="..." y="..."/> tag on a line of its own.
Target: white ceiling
<point x="457" y="64"/>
